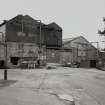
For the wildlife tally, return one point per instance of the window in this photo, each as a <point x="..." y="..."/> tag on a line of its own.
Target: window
<point x="14" y="60"/>
<point x="21" y="34"/>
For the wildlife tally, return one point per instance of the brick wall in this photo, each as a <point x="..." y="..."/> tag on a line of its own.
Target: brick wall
<point x="25" y="50"/>
<point x="53" y="55"/>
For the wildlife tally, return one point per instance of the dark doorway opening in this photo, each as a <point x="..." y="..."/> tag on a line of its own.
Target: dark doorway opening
<point x="93" y="63"/>
<point x="14" y="60"/>
<point x="2" y="64"/>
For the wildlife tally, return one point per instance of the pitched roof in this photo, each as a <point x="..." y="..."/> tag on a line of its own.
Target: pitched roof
<point x="4" y="22"/>
<point x="26" y="19"/>
<point x="54" y="25"/>
<point x="23" y="18"/>
<point x="69" y="40"/>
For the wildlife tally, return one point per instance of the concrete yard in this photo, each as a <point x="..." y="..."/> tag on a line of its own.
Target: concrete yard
<point x="43" y="87"/>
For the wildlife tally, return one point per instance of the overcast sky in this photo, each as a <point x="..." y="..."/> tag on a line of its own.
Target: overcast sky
<point x="76" y="17"/>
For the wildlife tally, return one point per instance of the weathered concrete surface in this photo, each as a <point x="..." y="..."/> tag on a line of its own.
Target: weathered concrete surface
<point x="42" y="87"/>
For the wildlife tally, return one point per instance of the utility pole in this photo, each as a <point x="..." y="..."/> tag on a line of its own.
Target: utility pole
<point x="5" y="70"/>
<point x="22" y="44"/>
<point x="40" y="35"/>
<point x="40" y="42"/>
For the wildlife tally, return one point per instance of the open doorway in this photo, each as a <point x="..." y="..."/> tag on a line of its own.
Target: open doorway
<point x="14" y="60"/>
<point x="93" y="63"/>
<point x="2" y="64"/>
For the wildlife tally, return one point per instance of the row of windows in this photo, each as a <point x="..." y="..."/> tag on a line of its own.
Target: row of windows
<point x="24" y="34"/>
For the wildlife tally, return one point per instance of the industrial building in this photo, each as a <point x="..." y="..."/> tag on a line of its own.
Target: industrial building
<point x="24" y="39"/>
<point x="82" y="51"/>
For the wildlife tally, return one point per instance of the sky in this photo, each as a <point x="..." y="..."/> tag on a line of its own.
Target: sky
<point x="76" y="17"/>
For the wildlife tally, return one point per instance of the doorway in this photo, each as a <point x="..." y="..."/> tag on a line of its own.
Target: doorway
<point x="93" y="63"/>
<point x="14" y="60"/>
<point x="2" y="64"/>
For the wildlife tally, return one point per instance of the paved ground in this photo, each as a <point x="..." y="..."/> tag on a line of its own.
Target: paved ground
<point x="42" y="87"/>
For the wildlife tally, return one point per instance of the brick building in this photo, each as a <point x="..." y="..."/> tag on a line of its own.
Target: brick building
<point x="22" y="37"/>
<point x="68" y="55"/>
<point x="82" y="51"/>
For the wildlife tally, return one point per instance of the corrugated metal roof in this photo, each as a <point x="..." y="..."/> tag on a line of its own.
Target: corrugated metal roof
<point x="68" y="40"/>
